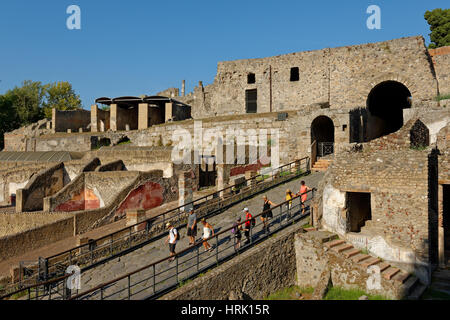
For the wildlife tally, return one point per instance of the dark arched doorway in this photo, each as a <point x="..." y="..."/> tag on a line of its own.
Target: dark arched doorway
<point x="385" y="103"/>
<point x="322" y="137"/>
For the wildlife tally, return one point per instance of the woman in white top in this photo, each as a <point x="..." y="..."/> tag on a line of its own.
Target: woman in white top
<point x="207" y="230"/>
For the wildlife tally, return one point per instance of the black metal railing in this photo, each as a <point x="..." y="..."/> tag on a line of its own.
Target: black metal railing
<point x="132" y="237"/>
<point x="157" y="278"/>
<point x="325" y="148"/>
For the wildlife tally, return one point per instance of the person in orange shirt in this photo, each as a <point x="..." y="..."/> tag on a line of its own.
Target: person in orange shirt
<point x="303" y="194"/>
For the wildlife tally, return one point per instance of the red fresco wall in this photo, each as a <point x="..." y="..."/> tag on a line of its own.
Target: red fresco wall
<point x="85" y="200"/>
<point x="146" y="196"/>
<point x="241" y="170"/>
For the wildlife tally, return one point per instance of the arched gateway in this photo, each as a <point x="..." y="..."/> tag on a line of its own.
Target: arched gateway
<point x="322" y="136"/>
<point x="385" y="104"/>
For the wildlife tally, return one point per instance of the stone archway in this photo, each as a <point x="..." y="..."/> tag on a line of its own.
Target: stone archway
<point x="322" y="136"/>
<point x="385" y="104"/>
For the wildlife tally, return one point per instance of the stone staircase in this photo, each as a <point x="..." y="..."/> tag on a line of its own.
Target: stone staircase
<point x="412" y="285"/>
<point x="441" y="281"/>
<point x="321" y="165"/>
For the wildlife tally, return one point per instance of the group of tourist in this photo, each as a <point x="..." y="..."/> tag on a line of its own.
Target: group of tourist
<point x="238" y="227"/>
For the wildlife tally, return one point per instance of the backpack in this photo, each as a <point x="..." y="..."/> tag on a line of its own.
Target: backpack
<point x="233" y="231"/>
<point x="177" y="234"/>
<point x="252" y="220"/>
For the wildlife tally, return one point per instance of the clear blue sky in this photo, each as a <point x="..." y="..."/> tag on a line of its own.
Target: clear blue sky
<point x="139" y="47"/>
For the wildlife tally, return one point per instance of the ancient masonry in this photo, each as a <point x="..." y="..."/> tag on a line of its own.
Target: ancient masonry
<point x="369" y="115"/>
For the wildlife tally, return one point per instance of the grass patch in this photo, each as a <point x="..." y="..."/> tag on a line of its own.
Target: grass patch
<point x="442" y="97"/>
<point x="306" y="225"/>
<point x="291" y="293"/>
<point x="431" y="294"/>
<point x="337" y="293"/>
<point x="418" y="148"/>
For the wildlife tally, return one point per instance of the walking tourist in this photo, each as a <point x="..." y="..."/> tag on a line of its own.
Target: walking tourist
<point x="172" y="239"/>
<point x="207" y="230"/>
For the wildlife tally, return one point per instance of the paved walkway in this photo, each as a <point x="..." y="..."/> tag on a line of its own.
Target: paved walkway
<point x="159" y="250"/>
<point x="71" y="242"/>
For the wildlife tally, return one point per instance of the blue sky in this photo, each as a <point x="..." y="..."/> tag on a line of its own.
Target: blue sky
<point x="139" y="47"/>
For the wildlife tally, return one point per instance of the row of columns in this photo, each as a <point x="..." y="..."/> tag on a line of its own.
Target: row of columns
<point x="98" y="121"/>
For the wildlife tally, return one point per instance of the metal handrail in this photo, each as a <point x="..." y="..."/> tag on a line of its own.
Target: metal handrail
<point x="111" y="235"/>
<point x="190" y="248"/>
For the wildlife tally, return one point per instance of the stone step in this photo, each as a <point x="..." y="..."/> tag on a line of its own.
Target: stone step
<point x="441" y="286"/>
<point x="441" y="275"/>
<point x="342" y="247"/>
<point x="383" y="266"/>
<point x="351" y="253"/>
<point x="319" y="169"/>
<point x="411" y="284"/>
<point x="334" y="243"/>
<point x="369" y="262"/>
<point x="401" y="277"/>
<point x="360" y="257"/>
<point x="390" y="272"/>
<point x="418" y="291"/>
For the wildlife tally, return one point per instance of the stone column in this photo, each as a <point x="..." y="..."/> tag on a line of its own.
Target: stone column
<point x="183" y="88"/>
<point x="251" y="174"/>
<point x="53" y="120"/>
<point x="185" y="189"/>
<point x="223" y="177"/>
<point x="94" y="118"/>
<point x="169" y="109"/>
<point x="136" y="216"/>
<point x="143" y="116"/>
<point x="113" y="117"/>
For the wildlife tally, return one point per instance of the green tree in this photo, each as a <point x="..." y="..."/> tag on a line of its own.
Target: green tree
<point x="439" y="21"/>
<point x="27" y="101"/>
<point x="61" y="96"/>
<point x="8" y="117"/>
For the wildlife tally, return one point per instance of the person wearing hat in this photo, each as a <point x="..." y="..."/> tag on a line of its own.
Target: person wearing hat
<point x="172" y="239"/>
<point x="192" y="226"/>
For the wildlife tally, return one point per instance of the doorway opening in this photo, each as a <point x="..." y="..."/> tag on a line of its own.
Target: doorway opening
<point x="358" y="209"/>
<point x="385" y="103"/>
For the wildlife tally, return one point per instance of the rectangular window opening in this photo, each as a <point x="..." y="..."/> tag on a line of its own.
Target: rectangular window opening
<point x="295" y="76"/>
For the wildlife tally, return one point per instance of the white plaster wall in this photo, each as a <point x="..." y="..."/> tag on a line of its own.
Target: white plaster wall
<point x="435" y="127"/>
<point x="333" y="202"/>
<point x="2" y="192"/>
<point x="396" y="255"/>
<point x="13" y="187"/>
<point x="166" y="167"/>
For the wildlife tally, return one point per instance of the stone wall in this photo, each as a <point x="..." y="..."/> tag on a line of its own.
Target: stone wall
<point x="441" y="60"/>
<point x="72" y="120"/>
<point x="313" y="259"/>
<point x="16" y="176"/>
<point x="14" y="223"/>
<point x="402" y="183"/>
<point x="43" y="184"/>
<point x="20" y="243"/>
<point x="336" y="78"/>
<point x="100" y="119"/>
<point x="254" y="274"/>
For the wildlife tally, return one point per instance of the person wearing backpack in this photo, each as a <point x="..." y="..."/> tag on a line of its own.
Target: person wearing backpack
<point x="172" y="239"/>
<point x="248" y="224"/>
<point x="236" y="231"/>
